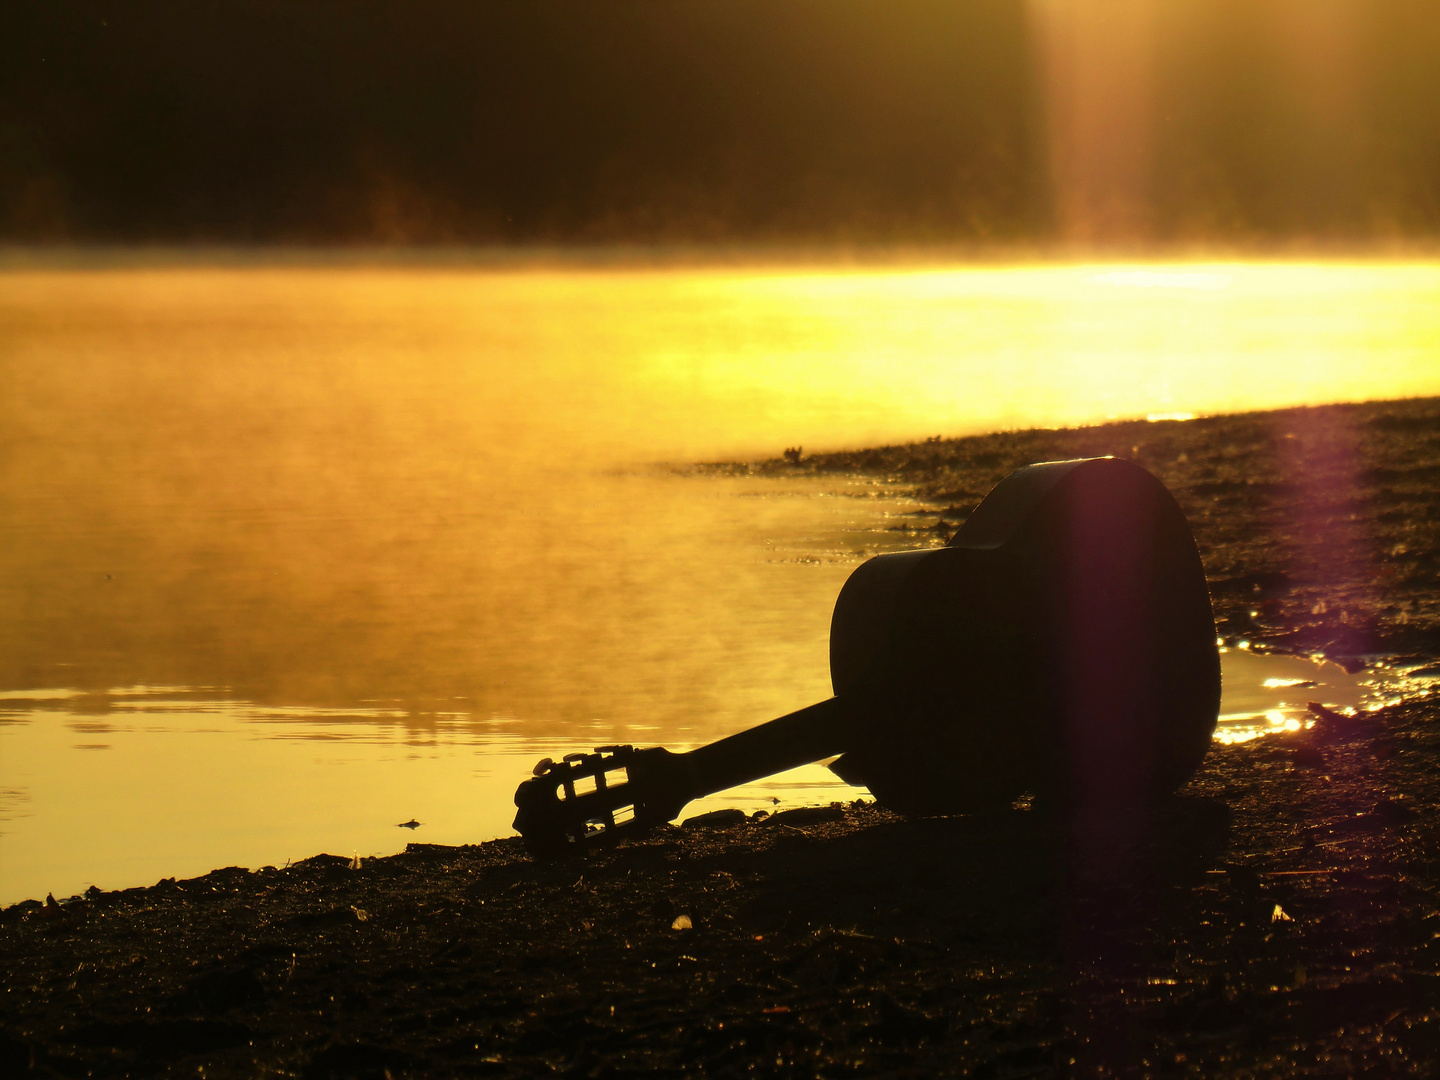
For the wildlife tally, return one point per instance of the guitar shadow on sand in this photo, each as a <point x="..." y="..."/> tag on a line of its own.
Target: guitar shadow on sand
<point x="1012" y="886"/>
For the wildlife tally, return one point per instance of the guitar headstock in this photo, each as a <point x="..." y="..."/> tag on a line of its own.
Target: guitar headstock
<point x="588" y="799"/>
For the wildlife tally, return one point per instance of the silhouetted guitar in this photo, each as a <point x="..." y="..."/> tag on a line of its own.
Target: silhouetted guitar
<point x="1062" y="643"/>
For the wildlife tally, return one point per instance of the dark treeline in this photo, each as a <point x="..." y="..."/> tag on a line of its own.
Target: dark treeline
<point x="689" y="120"/>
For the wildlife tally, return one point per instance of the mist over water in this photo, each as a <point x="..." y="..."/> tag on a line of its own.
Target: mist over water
<point x="289" y="555"/>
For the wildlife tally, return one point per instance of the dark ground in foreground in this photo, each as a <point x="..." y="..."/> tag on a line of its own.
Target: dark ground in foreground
<point x="1280" y="917"/>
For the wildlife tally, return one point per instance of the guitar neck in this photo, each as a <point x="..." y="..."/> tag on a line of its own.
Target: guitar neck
<point x="798" y="738"/>
<point x="585" y="796"/>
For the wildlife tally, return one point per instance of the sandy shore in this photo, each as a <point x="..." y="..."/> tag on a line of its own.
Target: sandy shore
<point x="1278" y="918"/>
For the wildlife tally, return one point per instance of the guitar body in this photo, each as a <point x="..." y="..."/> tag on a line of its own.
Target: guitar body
<point x="1063" y="644"/>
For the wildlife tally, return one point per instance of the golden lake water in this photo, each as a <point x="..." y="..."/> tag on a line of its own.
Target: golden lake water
<point x="289" y="555"/>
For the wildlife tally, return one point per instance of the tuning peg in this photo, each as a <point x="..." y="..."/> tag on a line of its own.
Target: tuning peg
<point x="543" y="766"/>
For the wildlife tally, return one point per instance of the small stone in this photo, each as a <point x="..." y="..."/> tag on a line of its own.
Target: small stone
<point x="1390" y="812"/>
<point x="715" y="819"/>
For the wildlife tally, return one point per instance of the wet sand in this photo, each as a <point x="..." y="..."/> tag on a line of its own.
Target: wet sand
<point x="1277" y="918"/>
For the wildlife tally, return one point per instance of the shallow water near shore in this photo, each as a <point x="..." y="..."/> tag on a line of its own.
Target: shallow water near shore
<point x="139" y="783"/>
<point x="291" y="555"/>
